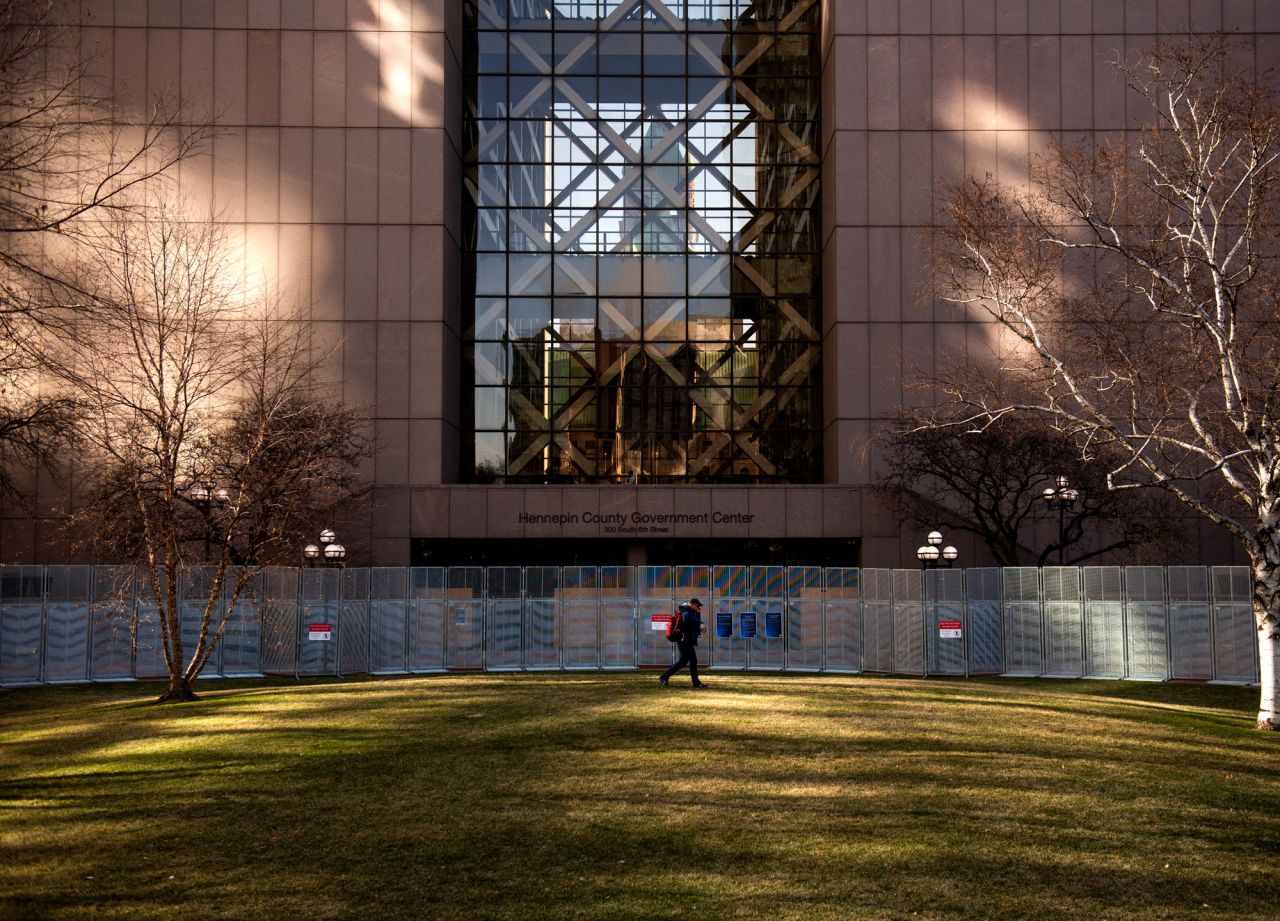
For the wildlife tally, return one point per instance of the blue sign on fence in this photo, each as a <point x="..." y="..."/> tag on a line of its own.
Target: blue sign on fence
<point x="747" y="624"/>
<point x="772" y="624"/>
<point x="724" y="625"/>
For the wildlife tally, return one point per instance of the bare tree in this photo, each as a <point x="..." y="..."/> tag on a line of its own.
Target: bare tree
<point x="1138" y="282"/>
<point x="185" y="379"/>
<point x="990" y="482"/>
<point x="65" y="156"/>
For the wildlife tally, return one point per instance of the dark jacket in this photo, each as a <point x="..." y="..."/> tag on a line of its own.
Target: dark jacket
<point x="690" y="624"/>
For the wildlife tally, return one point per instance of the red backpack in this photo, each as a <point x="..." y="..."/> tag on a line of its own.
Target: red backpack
<point x="673" y="627"/>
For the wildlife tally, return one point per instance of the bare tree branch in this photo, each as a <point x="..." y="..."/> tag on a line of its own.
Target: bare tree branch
<point x="1140" y="283"/>
<point x="188" y="379"/>
<point x="66" y="157"/>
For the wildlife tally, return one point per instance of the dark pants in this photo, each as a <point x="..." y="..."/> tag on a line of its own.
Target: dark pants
<point x="689" y="654"/>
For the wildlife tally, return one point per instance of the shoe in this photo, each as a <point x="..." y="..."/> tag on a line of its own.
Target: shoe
<point x="699" y="686"/>
<point x="662" y="681"/>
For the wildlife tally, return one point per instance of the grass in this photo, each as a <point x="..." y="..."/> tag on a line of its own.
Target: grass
<point x="607" y="797"/>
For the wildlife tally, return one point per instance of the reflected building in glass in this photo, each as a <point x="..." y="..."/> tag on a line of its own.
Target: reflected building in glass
<point x="642" y="232"/>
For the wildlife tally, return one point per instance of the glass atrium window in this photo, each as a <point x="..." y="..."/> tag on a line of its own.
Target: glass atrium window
<point x="642" y="240"/>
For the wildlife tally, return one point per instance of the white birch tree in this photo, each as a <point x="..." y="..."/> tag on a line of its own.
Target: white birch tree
<point x="1137" y="283"/>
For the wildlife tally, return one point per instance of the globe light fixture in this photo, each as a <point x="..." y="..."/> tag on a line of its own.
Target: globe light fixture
<point x="328" y="551"/>
<point x="1062" y="496"/>
<point x="932" y="554"/>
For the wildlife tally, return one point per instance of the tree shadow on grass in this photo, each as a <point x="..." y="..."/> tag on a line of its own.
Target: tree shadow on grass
<point x="517" y="798"/>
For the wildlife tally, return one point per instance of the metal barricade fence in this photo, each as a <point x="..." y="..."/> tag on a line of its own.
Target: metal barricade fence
<point x="877" y="620"/>
<point x="1190" y="623"/>
<point x="1235" y="637"/>
<point x="944" y="626"/>
<point x="101" y="623"/>
<point x="803" y="615"/>
<point x="1104" y="622"/>
<point x="842" y="620"/>
<point x="1063" y="622"/>
<point x="427" y="595"/>
<point x="655" y="606"/>
<point x="984" y="627"/>
<point x="1146" y="623"/>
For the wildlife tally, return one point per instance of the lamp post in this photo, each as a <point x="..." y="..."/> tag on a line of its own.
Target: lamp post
<point x="204" y="496"/>
<point x="1062" y="496"/>
<point x="933" y="554"/>
<point x="329" y="550"/>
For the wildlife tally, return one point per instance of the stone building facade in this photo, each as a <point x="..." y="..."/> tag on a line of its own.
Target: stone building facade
<point x="709" y="217"/>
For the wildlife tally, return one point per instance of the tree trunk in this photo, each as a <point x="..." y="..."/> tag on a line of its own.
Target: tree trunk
<point x="179" y="691"/>
<point x="1266" y="612"/>
<point x="1268" y="660"/>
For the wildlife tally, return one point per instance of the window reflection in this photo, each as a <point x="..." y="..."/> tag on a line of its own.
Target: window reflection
<point x="642" y="239"/>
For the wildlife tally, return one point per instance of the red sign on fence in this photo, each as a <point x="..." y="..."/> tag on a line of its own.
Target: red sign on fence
<point x="319" y="631"/>
<point x="949" y="629"/>
<point x="659" y="622"/>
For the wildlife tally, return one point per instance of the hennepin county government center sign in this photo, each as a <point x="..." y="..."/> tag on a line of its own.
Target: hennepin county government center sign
<point x="636" y="522"/>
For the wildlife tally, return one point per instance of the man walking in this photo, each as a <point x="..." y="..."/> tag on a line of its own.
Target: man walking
<point x="690" y="629"/>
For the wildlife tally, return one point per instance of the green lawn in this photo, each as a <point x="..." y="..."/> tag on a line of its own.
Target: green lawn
<point x="605" y="796"/>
